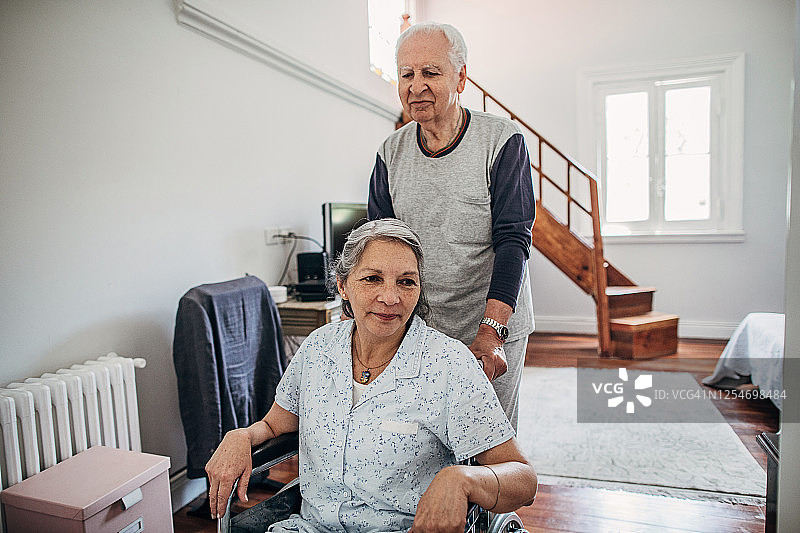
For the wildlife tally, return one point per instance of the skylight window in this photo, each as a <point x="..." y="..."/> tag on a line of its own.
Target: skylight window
<point x="387" y="18"/>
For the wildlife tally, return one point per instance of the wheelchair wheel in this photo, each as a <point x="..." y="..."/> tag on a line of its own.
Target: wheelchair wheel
<point x="506" y="523"/>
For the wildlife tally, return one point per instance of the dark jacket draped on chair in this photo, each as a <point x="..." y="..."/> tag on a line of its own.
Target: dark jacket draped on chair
<point x="229" y="356"/>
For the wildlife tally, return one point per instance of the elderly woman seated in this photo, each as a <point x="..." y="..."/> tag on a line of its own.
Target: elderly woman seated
<point x="386" y="408"/>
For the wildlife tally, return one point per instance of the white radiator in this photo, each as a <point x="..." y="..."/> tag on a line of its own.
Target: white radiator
<point x="47" y="419"/>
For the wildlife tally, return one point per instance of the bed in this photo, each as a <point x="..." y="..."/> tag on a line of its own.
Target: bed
<point x="754" y="351"/>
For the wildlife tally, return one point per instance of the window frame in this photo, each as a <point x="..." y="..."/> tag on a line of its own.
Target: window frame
<point x="726" y="76"/>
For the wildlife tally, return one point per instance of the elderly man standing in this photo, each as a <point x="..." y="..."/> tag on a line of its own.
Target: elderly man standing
<point x="462" y="180"/>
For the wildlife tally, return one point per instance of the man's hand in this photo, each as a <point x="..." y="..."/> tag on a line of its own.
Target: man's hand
<point x="487" y="346"/>
<point x="489" y="350"/>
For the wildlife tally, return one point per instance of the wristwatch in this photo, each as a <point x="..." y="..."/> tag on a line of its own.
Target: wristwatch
<point x="502" y="331"/>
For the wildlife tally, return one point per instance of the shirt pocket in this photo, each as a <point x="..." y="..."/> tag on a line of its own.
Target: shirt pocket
<point x="397" y="445"/>
<point x="469" y="220"/>
<point x="403" y="428"/>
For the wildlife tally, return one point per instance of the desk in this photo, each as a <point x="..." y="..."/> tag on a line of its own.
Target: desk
<point x="301" y="318"/>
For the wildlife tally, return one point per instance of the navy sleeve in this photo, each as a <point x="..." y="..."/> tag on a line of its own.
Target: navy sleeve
<point x="380" y="201"/>
<point x="513" y="212"/>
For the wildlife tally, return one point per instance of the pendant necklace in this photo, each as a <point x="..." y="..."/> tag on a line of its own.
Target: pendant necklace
<point x="366" y="374"/>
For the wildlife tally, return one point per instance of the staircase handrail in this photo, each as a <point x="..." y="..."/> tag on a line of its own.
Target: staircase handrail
<point x="516" y="117"/>
<point x="544" y="142"/>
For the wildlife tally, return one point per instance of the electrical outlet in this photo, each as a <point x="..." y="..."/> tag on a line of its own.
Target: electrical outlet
<point x="271" y="235"/>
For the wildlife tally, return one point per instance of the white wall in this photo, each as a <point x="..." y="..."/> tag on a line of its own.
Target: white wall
<point x="528" y="54"/>
<point x="139" y="159"/>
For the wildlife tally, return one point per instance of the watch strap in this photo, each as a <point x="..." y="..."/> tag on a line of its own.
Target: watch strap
<point x="501" y="329"/>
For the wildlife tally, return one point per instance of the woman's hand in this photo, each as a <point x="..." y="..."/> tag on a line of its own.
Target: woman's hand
<point x="443" y="507"/>
<point x="504" y="483"/>
<point x="230" y="462"/>
<point x="233" y="459"/>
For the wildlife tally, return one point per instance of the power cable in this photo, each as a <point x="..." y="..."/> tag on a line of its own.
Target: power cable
<point x="294" y="238"/>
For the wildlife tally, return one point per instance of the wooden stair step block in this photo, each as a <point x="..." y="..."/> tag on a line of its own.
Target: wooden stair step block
<point x="629" y="301"/>
<point x="644" y="336"/>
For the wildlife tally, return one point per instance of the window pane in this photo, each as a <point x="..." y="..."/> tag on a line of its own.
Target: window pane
<point x="687" y="172"/>
<point x="627" y="190"/>
<point x="688" y="120"/>
<point x="687" y="187"/>
<point x="626" y="125"/>
<point x="627" y="163"/>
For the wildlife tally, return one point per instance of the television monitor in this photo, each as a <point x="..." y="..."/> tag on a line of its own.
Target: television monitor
<point x="338" y="219"/>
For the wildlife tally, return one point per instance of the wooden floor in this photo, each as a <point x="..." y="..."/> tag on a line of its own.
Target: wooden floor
<point x="567" y="509"/>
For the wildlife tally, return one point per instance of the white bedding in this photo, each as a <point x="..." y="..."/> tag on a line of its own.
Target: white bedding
<point x="756" y="350"/>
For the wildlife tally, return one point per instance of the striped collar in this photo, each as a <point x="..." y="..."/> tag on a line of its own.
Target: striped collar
<point x="466" y="116"/>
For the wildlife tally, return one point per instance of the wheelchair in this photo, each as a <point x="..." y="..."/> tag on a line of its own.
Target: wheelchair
<point x="256" y="519"/>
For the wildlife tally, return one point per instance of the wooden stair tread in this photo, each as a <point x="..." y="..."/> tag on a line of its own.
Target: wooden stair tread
<point x="651" y="319"/>
<point x="624" y="290"/>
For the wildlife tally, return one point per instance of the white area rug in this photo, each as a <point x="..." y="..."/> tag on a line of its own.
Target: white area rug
<point x="690" y="460"/>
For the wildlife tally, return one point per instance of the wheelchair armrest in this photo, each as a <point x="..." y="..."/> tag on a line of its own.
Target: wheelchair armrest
<point x="274" y="451"/>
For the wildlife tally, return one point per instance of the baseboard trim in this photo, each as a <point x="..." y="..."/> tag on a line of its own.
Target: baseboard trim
<point x="689" y="329"/>
<point x="566" y="324"/>
<point x="184" y="490"/>
<point x="697" y="329"/>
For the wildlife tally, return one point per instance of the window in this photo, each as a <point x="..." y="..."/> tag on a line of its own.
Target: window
<point x="386" y="18"/>
<point x="667" y="143"/>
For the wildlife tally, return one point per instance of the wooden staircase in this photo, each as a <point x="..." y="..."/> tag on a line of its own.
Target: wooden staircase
<point x="627" y="325"/>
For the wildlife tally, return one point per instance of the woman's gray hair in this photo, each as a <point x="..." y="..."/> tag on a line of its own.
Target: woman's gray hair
<point x="458" y="48"/>
<point x="384" y="229"/>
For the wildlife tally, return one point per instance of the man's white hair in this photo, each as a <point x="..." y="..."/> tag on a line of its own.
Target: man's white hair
<point x="458" y="48"/>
